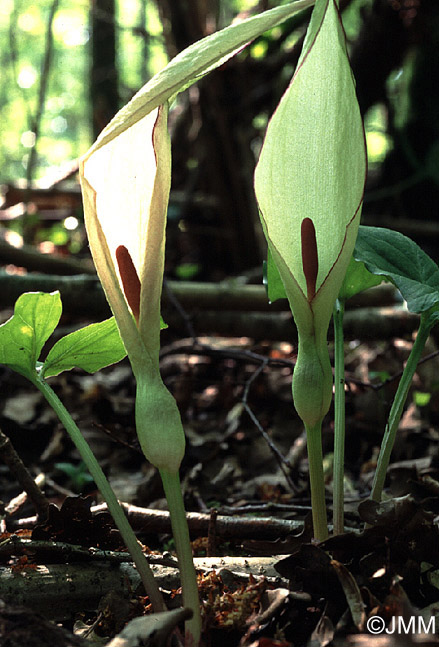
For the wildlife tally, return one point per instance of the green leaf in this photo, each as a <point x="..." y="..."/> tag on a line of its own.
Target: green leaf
<point x="421" y="398"/>
<point x="195" y="62"/>
<point x="22" y="337"/>
<point x="357" y="279"/>
<point x="187" y="271"/>
<point x="78" y="474"/>
<point x="389" y="253"/>
<point x="90" y="348"/>
<point x="432" y="316"/>
<point x="272" y="280"/>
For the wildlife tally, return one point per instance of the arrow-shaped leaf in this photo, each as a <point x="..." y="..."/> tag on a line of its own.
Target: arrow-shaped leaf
<point x="390" y="253"/>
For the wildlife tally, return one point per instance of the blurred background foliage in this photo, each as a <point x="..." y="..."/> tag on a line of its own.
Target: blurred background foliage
<point x="66" y="129"/>
<point x="66" y="67"/>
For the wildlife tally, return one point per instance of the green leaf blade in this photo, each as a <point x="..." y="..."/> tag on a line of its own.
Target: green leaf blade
<point x="358" y="279"/>
<point x="90" y="348"/>
<point x="389" y="253"/>
<point x="22" y="337"/>
<point x="272" y="280"/>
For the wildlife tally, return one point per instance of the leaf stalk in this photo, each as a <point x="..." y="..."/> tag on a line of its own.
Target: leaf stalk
<point x="188" y="576"/>
<point x="339" y="419"/>
<point x="317" y="481"/>
<point x="396" y="410"/>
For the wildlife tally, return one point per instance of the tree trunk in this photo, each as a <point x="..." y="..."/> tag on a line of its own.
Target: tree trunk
<point x="104" y="77"/>
<point x="216" y="132"/>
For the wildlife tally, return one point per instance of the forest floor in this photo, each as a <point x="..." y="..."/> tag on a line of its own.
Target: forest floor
<point x="245" y="479"/>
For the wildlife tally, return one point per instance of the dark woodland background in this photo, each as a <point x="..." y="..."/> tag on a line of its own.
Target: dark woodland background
<point x="67" y="68"/>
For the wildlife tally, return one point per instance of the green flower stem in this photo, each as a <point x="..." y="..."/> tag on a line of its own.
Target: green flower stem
<point x="106" y="491"/>
<point x="180" y="531"/>
<point x="398" y="405"/>
<point x="339" y="418"/>
<point x="315" y="460"/>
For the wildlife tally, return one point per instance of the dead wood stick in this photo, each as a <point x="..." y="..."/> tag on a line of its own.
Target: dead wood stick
<point x="79" y="293"/>
<point x="367" y="324"/>
<point x="16" y="503"/>
<point x="223" y="296"/>
<point x="57" y="552"/>
<point x="151" y="629"/>
<point x="18" y="469"/>
<point x="227" y="527"/>
<point x="33" y="260"/>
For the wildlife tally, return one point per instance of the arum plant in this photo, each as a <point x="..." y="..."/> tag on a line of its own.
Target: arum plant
<point x="126" y="189"/>
<point x="125" y="180"/>
<point x="309" y="184"/>
<point x="400" y="260"/>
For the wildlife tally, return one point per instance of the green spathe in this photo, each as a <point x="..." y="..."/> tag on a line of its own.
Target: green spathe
<point x="125" y="180"/>
<point x="126" y="189"/>
<point x="313" y="166"/>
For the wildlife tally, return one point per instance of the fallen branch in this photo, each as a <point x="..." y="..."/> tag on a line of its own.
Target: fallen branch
<point x="247" y="312"/>
<point x="33" y="260"/>
<point x="58" y="591"/>
<point x="157" y="521"/>
<point x="367" y="324"/>
<point x="150" y="629"/>
<point x="223" y="296"/>
<point x="56" y="552"/>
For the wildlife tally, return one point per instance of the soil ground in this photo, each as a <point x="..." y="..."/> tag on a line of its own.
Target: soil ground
<point x="246" y="459"/>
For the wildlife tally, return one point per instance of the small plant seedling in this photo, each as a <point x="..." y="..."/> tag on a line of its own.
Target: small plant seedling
<point x="78" y="475"/>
